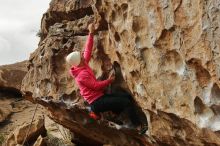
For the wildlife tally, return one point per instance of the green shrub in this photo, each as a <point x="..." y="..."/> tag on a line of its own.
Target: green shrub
<point x="39" y="34"/>
<point x="2" y="138"/>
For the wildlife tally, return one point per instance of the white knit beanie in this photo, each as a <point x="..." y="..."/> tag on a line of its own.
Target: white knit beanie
<point x="74" y="58"/>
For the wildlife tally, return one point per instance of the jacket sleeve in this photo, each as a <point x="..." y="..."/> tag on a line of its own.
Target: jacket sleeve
<point x="91" y="83"/>
<point x="88" y="48"/>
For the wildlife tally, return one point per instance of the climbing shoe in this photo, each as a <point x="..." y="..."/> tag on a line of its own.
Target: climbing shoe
<point x="143" y="129"/>
<point x="94" y="116"/>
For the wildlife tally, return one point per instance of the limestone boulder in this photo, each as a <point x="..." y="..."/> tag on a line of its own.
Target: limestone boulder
<point x="11" y="76"/>
<point x="5" y="109"/>
<point x="166" y="54"/>
<point x="19" y="135"/>
<point x="167" y="51"/>
<point x="164" y="128"/>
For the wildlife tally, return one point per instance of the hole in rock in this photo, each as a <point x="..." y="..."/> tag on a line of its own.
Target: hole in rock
<point x="138" y="24"/>
<point x="134" y="73"/>
<point x="135" y="24"/>
<point x="164" y="39"/>
<point x="215" y="94"/>
<point x="55" y="50"/>
<point x="113" y="16"/>
<point x="216" y="109"/>
<point x="79" y="25"/>
<point x="125" y="15"/>
<point x="198" y="105"/>
<point x="138" y="42"/>
<point x="10" y="92"/>
<point x="202" y="75"/>
<point x="64" y="40"/>
<point x="124" y="7"/>
<point x="103" y="24"/>
<point x="117" y="37"/>
<point x="173" y="61"/>
<point x="42" y="53"/>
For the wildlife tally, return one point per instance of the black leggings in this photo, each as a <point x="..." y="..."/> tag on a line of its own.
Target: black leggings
<point x="116" y="103"/>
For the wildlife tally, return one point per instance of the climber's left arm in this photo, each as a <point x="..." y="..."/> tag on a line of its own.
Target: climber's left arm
<point x="89" y="43"/>
<point x="88" y="48"/>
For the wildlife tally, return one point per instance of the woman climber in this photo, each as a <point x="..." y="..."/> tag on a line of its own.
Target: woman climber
<point x="92" y="90"/>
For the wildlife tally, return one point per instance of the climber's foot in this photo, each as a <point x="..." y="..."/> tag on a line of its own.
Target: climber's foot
<point x="95" y="116"/>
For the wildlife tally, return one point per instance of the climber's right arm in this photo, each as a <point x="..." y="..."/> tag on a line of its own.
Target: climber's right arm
<point x="91" y="83"/>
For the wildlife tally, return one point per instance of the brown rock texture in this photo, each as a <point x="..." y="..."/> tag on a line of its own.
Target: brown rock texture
<point x="169" y="129"/>
<point x="11" y="76"/>
<point x="40" y="141"/>
<point x="21" y="111"/>
<point x="166" y="129"/>
<point x="166" y="51"/>
<point x="18" y="136"/>
<point x="87" y="131"/>
<point x="5" y="109"/>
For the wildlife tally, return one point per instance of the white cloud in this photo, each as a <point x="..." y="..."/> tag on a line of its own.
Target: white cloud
<point x="19" y="24"/>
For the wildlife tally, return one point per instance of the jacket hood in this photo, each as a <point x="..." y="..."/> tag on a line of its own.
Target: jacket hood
<point x="76" y="70"/>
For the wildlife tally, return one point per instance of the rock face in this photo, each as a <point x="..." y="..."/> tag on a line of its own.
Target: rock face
<point x="5" y="109"/>
<point x="166" y="52"/>
<point x="169" y="129"/>
<point x="11" y="76"/>
<point x="40" y="142"/>
<point x="165" y="128"/>
<point x="19" y="135"/>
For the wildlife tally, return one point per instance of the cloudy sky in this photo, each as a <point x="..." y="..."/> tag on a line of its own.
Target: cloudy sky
<point x="19" y="24"/>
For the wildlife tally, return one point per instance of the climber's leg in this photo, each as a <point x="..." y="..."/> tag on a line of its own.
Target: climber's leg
<point x="132" y="113"/>
<point x="114" y="103"/>
<point x="107" y="103"/>
<point x="143" y="119"/>
<point x="118" y="96"/>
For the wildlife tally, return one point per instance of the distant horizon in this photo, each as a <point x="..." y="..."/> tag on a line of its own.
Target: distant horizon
<point x="19" y="24"/>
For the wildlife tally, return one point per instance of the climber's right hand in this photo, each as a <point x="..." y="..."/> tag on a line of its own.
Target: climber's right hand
<point x="112" y="76"/>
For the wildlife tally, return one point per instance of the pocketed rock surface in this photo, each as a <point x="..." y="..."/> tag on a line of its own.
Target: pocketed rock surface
<point x="166" y="51"/>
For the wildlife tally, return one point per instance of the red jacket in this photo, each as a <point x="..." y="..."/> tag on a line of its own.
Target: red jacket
<point x="90" y="88"/>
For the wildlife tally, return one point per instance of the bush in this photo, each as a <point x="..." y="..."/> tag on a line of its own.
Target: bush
<point x="39" y="34"/>
<point x="2" y="138"/>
